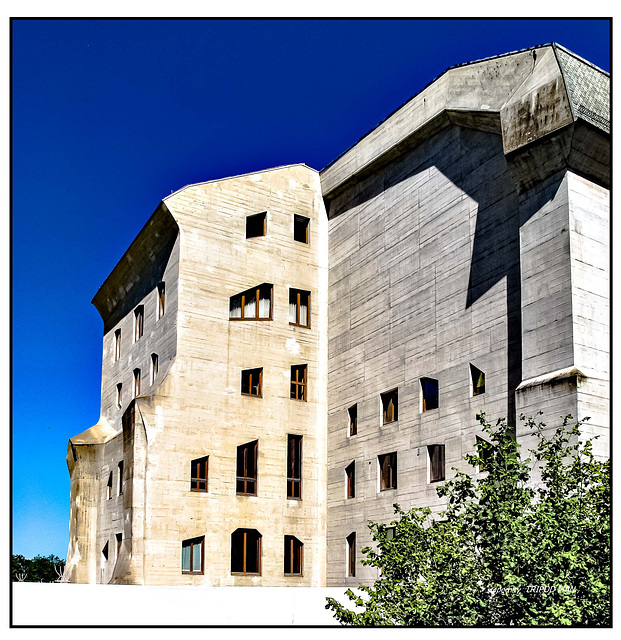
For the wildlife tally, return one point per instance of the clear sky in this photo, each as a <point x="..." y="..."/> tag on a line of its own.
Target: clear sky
<point x="110" y="116"/>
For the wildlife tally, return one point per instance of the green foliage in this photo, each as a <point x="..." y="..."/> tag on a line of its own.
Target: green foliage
<point x="505" y="551"/>
<point x="37" y="569"/>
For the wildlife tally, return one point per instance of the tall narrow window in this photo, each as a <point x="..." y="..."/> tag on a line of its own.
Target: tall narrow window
<point x="246" y="551"/>
<point x="300" y="228"/>
<point x="105" y="552"/>
<point x="138" y="322"/>
<point x="136" y="390"/>
<point x="484" y="451"/>
<point x="252" y="304"/>
<point x="154" y="367"/>
<point x="478" y="381"/>
<point x="247" y="469"/>
<point x="294" y="466"/>
<point x="119" y="480"/>
<point x="192" y="555"/>
<point x="252" y="382"/>
<point x="429" y="392"/>
<point x="294" y="551"/>
<point x="350" y="480"/>
<point x="199" y="474"/>
<point x="299" y="307"/>
<point x="119" y="395"/>
<point x="436" y="462"/>
<point x="351" y="554"/>
<point x="119" y="542"/>
<point x="256" y="225"/>
<point x="117" y="345"/>
<point x="390" y="533"/>
<point x="353" y="420"/>
<point x="161" y="299"/>
<point x="387" y="464"/>
<point x="298" y="382"/>
<point x="109" y="487"/>
<point x="390" y="406"/>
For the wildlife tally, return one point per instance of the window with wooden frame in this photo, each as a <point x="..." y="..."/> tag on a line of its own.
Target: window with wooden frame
<point x="256" y="225"/>
<point x="252" y="304"/>
<point x="119" y="542"/>
<point x="294" y="556"/>
<point x="119" y="395"/>
<point x="351" y="554"/>
<point x="350" y="480"/>
<point x="387" y="465"/>
<point x="299" y="308"/>
<point x="199" y="473"/>
<point x="435" y="453"/>
<point x="119" y="479"/>
<point x="429" y="393"/>
<point x="252" y="382"/>
<point x="246" y="552"/>
<point x="138" y="322"/>
<point x="390" y="406"/>
<point x="109" y="487"/>
<point x="301" y="226"/>
<point x="298" y="382"/>
<point x="161" y="300"/>
<point x="484" y="451"/>
<point x="136" y="388"/>
<point x="193" y="555"/>
<point x="352" y="413"/>
<point x="117" y="345"/>
<point x="155" y="366"/>
<point x="294" y="467"/>
<point x="477" y="378"/>
<point x="246" y="484"/>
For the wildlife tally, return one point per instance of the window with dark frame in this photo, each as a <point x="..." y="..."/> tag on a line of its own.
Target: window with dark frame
<point x="154" y="367"/>
<point x="199" y="474"/>
<point x="247" y="469"/>
<point x="246" y="552"/>
<point x="484" y="451"/>
<point x="353" y="420"/>
<point x="192" y="555"/>
<point x="350" y="480"/>
<point x="351" y="554"/>
<point x="300" y="228"/>
<point x="299" y="308"/>
<point x="390" y="533"/>
<point x="256" y="225"/>
<point x="161" y="300"/>
<point x="119" y="542"/>
<point x="252" y="382"/>
<point x="390" y="406"/>
<point x="119" y="480"/>
<point x="138" y="322"/>
<point x="298" y="382"/>
<point x="429" y="391"/>
<point x="109" y="487"/>
<point x="294" y="467"/>
<point x="117" y="345"/>
<point x="388" y="471"/>
<point x="119" y="395"/>
<point x="136" y="389"/>
<point x="436" y="462"/>
<point x="478" y="381"/>
<point x="252" y="304"/>
<point x="294" y="556"/>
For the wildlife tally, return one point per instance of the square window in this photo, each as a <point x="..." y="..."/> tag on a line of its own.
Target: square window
<point x="390" y="406"/>
<point x="247" y="469"/>
<point x="138" y="322"/>
<point x="294" y="551"/>
<point x="353" y="420"/>
<point x="477" y="380"/>
<point x="429" y="393"/>
<point x="252" y="304"/>
<point x="294" y="467"/>
<point x="298" y="382"/>
<point x="246" y="551"/>
<point x="299" y="308"/>
<point x="252" y="382"/>
<point x="300" y="228"/>
<point x="387" y="465"/>
<point x="436" y="462"/>
<point x="350" y="480"/>
<point x="256" y="225"/>
<point x="199" y="470"/>
<point x="192" y="555"/>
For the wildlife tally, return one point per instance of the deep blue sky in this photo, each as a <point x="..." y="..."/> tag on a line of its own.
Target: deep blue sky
<point x="110" y="116"/>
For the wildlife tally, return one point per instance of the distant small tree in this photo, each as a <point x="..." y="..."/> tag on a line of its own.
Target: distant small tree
<point x="37" y="569"/>
<point x="502" y="553"/>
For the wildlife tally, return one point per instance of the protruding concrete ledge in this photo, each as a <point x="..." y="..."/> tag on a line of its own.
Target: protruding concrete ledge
<point x="551" y="378"/>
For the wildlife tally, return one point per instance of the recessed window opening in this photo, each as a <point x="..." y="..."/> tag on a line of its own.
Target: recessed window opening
<point x="294" y="467"/>
<point x="246" y="551"/>
<point x="299" y="308"/>
<point x="119" y="542"/>
<point x="387" y="471"/>
<point x="294" y="550"/>
<point x="136" y="389"/>
<point x="390" y="406"/>
<point x="104" y="552"/>
<point x="154" y="367"/>
<point x="352" y="413"/>
<point x="351" y="554"/>
<point x="119" y="395"/>
<point x="199" y="470"/>
<point x="109" y="487"/>
<point x="247" y="468"/>
<point x="252" y="304"/>
<point x="350" y="480"/>
<point x="436" y="462"/>
<point x="300" y="228"/>
<point x="117" y="345"/>
<point x="192" y="555"/>
<point x="256" y="225"/>
<point x="252" y="382"/>
<point x="298" y="382"/>
<point x="477" y="379"/>
<point x="161" y="300"/>
<point x="138" y="322"/>
<point x="390" y="533"/>
<point x="119" y="480"/>
<point x="429" y="392"/>
<point x="484" y="451"/>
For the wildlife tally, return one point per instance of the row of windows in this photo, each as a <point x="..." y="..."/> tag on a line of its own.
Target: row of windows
<point x="155" y="365"/>
<point x="252" y="382"/>
<point x="256" y="303"/>
<point x="256" y="227"/>
<point x="429" y="399"/>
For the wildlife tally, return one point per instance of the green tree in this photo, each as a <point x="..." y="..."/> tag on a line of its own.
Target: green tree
<point x="503" y="552"/>
<point x="37" y="569"/>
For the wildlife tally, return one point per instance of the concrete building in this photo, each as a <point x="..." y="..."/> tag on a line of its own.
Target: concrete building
<point x="467" y="271"/>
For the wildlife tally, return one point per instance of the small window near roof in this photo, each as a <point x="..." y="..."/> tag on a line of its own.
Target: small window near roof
<point x="117" y="345"/>
<point x="429" y="393"/>
<point x="390" y="406"/>
<point x="256" y="225"/>
<point x="293" y="556"/>
<point x="300" y="228"/>
<point x="299" y="307"/>
<point x="252" y="382"/>
<point x="138" y="322"/>
<point x="478" y="381"/>
<point x="353" y="419"/>
<point x="161" y="299"/>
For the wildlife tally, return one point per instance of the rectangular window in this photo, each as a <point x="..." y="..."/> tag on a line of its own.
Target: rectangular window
<point x="199" y="474"/>
<point x="350" y="480"/>
<point x="252" y="382"/>
<point x="119" y="395"/>
<point x="294" y="551"/>
<point x="246" y="551"/>
<point x="161" y="299"/>
<point x="429" y="392"/>
<point x="119" y="480"/>
<point x="247" y="469"/>
<point x="119" y="542"/>
<point x="154" y="367"/>
<point x="484" y="451"/>
<point x="136" y="389"/>
<point x="294" y="467"/>
<point x="138" y="322"/>
<point x="109" y="487"/>
<point x="387" y="471"/>
<point x="390" y="406"/>
<point x="298" y="382"/>
<point x="436" y="462"/>
<point x="390" y="533"/>
<point x="477" y="378"/>
<point x="300" y="228"/>
<point x="117" y="345"/>
<point x="252" y="304"/>
<point x="353" y="420"/>
<point x="256" y="225"/>
<point x="299" y="307"/>
<point x="351" y="554"/>
<point x="192" y="554"/>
